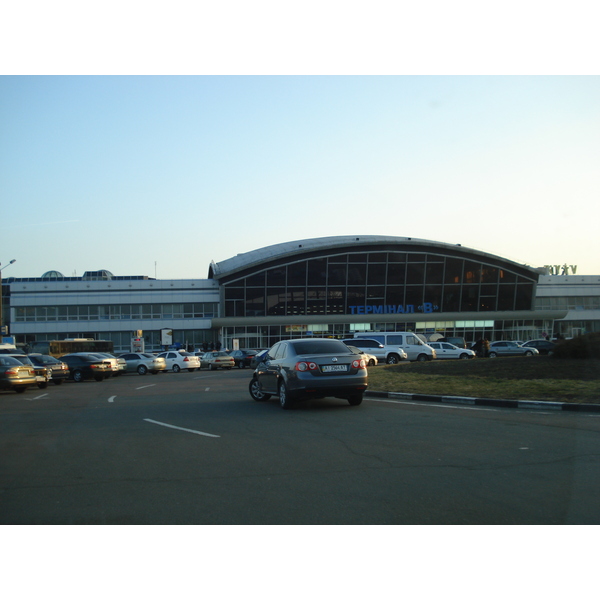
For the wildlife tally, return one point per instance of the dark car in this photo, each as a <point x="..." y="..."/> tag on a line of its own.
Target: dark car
<point x="86" y="367"/>
<point x="309" y="368"/>
<point x="59" y="371"/>
<point x="257" y="358"/>
<point x="542" y="346"/>
<point x="14" y="375"/>
<point x="243" y="358"/>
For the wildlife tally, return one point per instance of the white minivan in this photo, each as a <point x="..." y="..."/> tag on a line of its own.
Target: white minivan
<point x="409" y="342"/>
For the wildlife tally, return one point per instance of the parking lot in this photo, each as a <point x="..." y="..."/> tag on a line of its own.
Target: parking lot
<point x="194" y="448"/>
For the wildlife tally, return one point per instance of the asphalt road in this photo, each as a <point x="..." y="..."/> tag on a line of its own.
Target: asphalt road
<point x="194" y="448"/>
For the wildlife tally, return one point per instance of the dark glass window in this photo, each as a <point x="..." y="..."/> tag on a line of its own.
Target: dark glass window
<point x="255" y="280"/>
<point x="507" y="276"/>
<point x="297" y="274"/>
<point x="414" y="296"/>
<point x="415" y="273"/>
<point x="472" y="272"/>
<point x="317" y="271"/>
<point x="276" y="276"/>
<point x="376" y="274"/>
<point x="255" y="302"/>
<point x="234" y="293"/>
<point x="524" y="297"/>
<point x="356" y="296"/>
<point x="470" y="298"/>
<point x="276" y="298"/>
<point x="395" y="295"/>
<point x="336" y="274"/>
<point x="454" y="269"/>
<point x="396" y="273"/>
<point x="434" y="273"/>
<point x="357" y="274"/>
<point x="489" y="274"/>
<point x="506" y="297"/>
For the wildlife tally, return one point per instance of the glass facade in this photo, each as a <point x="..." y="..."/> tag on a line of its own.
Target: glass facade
<point x="94" y="312"/>
<point x="365" y="283"/>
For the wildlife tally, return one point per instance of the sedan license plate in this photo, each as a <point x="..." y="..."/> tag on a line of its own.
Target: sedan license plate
<point x="331" y="368"/>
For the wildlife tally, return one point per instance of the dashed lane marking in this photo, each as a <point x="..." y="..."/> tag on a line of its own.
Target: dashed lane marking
<point x="182" y="428"/>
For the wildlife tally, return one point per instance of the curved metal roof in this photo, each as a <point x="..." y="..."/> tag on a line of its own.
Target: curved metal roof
<point x="278" y="251"/>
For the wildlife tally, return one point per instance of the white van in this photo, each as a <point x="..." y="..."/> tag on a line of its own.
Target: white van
<point x="409" y="342"/>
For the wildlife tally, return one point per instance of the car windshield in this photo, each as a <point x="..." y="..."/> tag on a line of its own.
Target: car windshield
<point x="7" y="361"/>
<point x="25" y="360"/>
<point x="320" y="347"/>
<point x="147" y="355"/>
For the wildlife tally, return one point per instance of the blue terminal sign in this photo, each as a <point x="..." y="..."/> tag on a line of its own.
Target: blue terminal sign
<point x="392" y="309"/>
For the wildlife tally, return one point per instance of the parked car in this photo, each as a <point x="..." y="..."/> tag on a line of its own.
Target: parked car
<point x="459" y="342"/>
<point x="542" y="346"/>
<point x="14" y="375"/>
<point x="243" y="358"/>
<point x="59" y="370"/>
<point x="298" y="369"/>
<point x="370" y="359"/>
<point x="109" y="359"/>
<point x="87" y="366"/>
<point x="143" y="362"/>
<point x="508" y="348"/>
<point x="121" y="365"/>
<point x="217" y="360"/>
<point x="42" y="373"/>
<point x="391" y="356"/>
<point x="257" y="358"/>
<point x="445" y="350"/>
<point x="178" y="359"/>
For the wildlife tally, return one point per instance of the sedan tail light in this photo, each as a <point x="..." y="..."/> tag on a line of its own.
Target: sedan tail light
<point x="359" y="364"/>
<point x="306" y="366"/>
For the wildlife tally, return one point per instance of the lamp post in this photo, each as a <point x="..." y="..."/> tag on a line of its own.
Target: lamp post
<point x="2" y="298"/>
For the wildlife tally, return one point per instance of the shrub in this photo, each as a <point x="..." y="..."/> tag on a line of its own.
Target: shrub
<point x="583" y="346"/>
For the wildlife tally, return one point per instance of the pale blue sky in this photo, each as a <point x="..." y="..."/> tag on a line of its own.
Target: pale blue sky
<point x="120" y="173"/>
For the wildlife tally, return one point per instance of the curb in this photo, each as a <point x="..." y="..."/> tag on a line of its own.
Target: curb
<point x="530" y="404"/>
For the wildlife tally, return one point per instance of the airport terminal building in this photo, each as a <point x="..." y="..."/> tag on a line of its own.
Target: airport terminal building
<point x="322" y="287"/>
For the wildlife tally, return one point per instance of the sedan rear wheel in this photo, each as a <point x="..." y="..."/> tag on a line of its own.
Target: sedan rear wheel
<point x="355" y="399"/>
<point x="285" y="400"/>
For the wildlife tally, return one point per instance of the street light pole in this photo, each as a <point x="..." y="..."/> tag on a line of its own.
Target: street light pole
<point x="2" y="298"/>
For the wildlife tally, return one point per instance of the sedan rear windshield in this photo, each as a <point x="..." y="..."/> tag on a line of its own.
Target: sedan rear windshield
<point x="320" y="347"/>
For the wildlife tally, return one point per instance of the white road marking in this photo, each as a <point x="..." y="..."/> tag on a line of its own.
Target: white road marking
<point x="182" y="428"/>
<point x="206" y="389"/>
<point x="37" y="397"/>
<point x="112" y="398"/>
<point x="145" y="386"/>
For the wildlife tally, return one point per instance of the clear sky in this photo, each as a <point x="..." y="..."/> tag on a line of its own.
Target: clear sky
<point x="449" y="122"/>
<point x="162" y="174"/>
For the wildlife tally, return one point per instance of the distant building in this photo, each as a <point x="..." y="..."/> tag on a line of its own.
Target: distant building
<point x="332" y="286"/>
